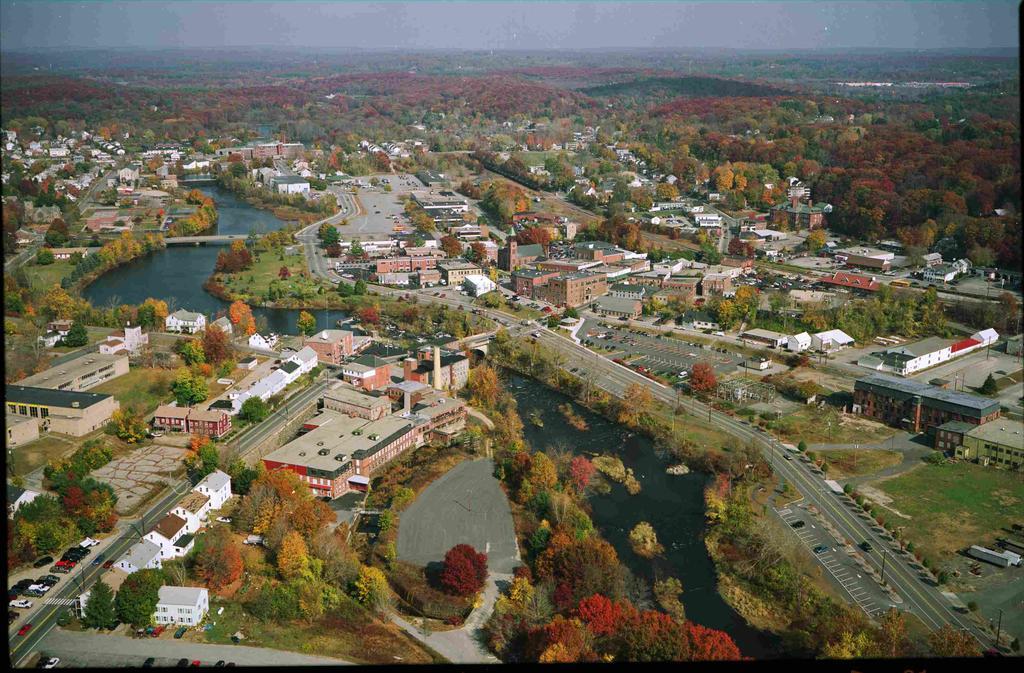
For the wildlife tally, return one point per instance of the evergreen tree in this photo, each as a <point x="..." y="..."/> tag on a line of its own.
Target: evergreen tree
<point x="77" y="335"/>
<point x="99" y="610"/>
<point x="989" y="386"/>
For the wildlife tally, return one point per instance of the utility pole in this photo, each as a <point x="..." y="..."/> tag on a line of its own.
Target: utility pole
<point x="999" y="626"/>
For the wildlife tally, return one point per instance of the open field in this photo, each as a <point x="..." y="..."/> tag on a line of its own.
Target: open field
<point x="143" y="388"/>
<point x="254" y="281"/>
<point x="27" y="457"/>
<point x="826" y="425"/>
<point x="953" y="506"/>
<point x="853" y="463"/>
<point x="346" y="632"/>
<point x="42" y="277"/>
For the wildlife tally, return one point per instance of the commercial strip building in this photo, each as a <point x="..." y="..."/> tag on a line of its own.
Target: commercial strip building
<point x="908" y="359"/>
<point x="64" y="411"/>
<point x="918" y="407"/>
<point x="618" y="307"/>
<point x="453" y="272"/>
<point x="82" y="373"/>
<point x="342" y="451"/>
<point x="868" y="258"/>
<point x="477" y="285"/>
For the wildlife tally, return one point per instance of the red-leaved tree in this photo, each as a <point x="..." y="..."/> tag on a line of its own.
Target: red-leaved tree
<point x="600" y="614"/>
<point x="710" y="644"/>
<point x="580" y="471"/>
<point x="464" y="570"/>
<point x="702" y="377"/>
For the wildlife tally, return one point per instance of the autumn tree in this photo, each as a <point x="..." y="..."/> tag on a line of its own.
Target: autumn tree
<point x="601" y="615"/>
<point x="644" y="540"/>
<point x="652" y="636"/>
<point x="369" y="315"/>
<point x="306" y="323"/>
<point x="892" y="640"/>
<point x="702" y="377"/>
<point x="219" y="561"/>
<point x="128" y="424"/>
<point x="710" y="644"/>
<point x="372" y="587"/>
<point x="483" y="386"/>
<point x="464" y="570"/>
<point x="254" y="409"/>
<point x="636" y="401"/>
<point x="293" y="556"/>
<point x="581" y="470"/>
<point x="189" y="388"/>
<point x="451" y="246"/>
<point x="283" y="273"/>
<point x="77" y="336"/>
<point x="241" y="318"/>
<point x="216" y="346"/>
<point x="949" y="642"/>
<point x="192" y="352"/>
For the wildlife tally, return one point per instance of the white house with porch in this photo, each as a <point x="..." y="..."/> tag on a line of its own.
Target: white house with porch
<point x="181" y="605"/>
<point x="185" y="322"/>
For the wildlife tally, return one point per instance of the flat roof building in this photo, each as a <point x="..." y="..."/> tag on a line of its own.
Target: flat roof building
<point x="64" y="411"/>
<point x="86" y="371"/>
<point x="918" y="406"/>
<point x="999" y="443"/>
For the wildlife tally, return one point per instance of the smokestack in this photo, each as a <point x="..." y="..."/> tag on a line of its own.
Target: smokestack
<point x="408" y="366"/>
<point x="406" y="401"/>
<point x="437" y="368"/>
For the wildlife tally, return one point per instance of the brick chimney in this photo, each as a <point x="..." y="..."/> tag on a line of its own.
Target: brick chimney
<point x="408" y="367"/>
<point x="437" y="368"/>
<point x="406" y="401"/>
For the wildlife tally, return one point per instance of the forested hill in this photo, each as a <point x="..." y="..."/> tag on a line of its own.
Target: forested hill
<point x="683" y="86"/>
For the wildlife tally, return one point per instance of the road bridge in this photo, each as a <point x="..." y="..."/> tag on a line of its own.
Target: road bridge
<point x="215" y="239"/>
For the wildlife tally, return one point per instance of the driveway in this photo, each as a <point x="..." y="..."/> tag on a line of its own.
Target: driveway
<point x="82" y="649"/>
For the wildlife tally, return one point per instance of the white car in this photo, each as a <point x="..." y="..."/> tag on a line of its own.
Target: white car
<point x="88" y="542"/>
<point x="51" y="662"/>
<point x="40" y="588"/>
<point x="223" y="519"/>
<point x="21" y="603"/>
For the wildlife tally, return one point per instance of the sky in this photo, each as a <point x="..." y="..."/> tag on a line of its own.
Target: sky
<point x="30" y="24"/>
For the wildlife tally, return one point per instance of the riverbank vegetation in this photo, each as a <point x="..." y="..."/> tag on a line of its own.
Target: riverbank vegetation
<point x="286" y="207"/>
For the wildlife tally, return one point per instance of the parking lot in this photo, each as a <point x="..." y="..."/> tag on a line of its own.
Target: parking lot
<point x="842" y="569"/>
<point x="662" y="355"/>
<point x="380" y="208"/>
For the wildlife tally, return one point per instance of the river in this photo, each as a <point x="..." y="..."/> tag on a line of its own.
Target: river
<point x="176" y="274"/>
<point x="673" y="505"/>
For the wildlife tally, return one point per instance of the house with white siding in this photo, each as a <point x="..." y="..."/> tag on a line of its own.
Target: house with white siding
<point x="171" y="536"/>
<point x="185" y="322"/>
<point x="193" y="508"/>
<point x="181" y="605"/>
<point x="216" y="486"/>
<point x="142" y="555"/>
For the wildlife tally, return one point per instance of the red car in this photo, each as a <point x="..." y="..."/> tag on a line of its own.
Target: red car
<point x="195" y="662"/>
<point x="108" y="564"/>
<point x="157" y="631"/>
<point x="25" y="629"/>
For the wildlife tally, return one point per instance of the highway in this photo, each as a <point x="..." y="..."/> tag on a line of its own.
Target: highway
<point x="44" y="615"/>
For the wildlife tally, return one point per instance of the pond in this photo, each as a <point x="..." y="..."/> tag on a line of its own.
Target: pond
<point x="673" y="505"/>
<point x="176" y="274"/>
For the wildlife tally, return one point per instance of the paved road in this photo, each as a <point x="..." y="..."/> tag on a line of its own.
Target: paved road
<point x="89" y="649"/>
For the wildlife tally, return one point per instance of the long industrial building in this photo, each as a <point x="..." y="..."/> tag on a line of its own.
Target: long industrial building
<point x="918" y="406"/>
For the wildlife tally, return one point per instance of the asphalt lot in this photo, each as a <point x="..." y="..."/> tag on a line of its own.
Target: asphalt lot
<point x="842" y="570"/>
<point x="380" y="208"/>
<point x="665" y="355"/>
<point x="466" y="505"/>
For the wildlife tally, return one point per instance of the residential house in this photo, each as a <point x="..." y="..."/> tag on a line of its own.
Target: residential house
<point x="798" y="343"/>
<point x="129" y="340"/>
<point x="265" y="342"/>
<point x="224" y="323"/>
<point x="700" y="320"/>
<point x="216" y="486"/>
<point x="181" y="605"/>
<point x="171" y="536"/>
<point x="185" y="322"/>
<point x="143" y="555"/>
<point x="193" y="509"/>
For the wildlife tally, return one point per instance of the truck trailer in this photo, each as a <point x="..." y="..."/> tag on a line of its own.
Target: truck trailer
<point x="1003" y="559"/>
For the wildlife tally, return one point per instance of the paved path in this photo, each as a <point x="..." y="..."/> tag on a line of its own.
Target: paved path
<point x="480" y="417"/>
<point x="93" y="650"/>
<point x="464" y="645"/>
<point x="909" y="446"/>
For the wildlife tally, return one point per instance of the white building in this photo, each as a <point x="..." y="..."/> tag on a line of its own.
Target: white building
<point x="130" y="340"/>
<point x="291" y="369"/>
<point x="186" y="322"/>
<point x="798" y="343"/>
<point x="477" y="284"/>
<point x="830" y="340"/>
<point x="171" y="536"/>
<point x="193" y="508"/>
<point x="225" y="325"/>
<point x="16" y="497"/>
<point x="142" y="555"/>
<point x="182" y="605"/>
<point x="217" y="486"/>
<point x="290" y="184"/>
<point x="707" y="219"/>
<point x="265" y="342"/>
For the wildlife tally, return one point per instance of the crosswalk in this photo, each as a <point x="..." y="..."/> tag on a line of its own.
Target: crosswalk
<point x="65" y="602"/>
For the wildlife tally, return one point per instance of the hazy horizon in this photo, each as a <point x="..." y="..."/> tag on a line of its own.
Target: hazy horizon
<point x="509" y="26"/>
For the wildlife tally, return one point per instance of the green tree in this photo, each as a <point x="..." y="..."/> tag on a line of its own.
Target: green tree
<point x="254" y="409"/>
<point x="360" y="287"/>
<point x="137" y="598"/>
<point x="99" y="610"/>
<point x="192" y="352"/>
<point x="77" y="336"/>
<point x="189" y="388"/>
<point x="44" y="256"/>
<point x="306" y="323"/>
<point x="989" y="387"/>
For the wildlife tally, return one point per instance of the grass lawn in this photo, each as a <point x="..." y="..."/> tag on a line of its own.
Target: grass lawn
<point x="956" y="505"/>
<point x="42" y="277"/>
<point x="520" y="311"/>
<point x="143" y="387"/>
<point x="95" y="334"/>
<point x="34" y="455"/>
<point x="827" y="426"/>
<point x="253" y="282"/>
<point x="854" y="463"/>
<point x="347" y="632"/>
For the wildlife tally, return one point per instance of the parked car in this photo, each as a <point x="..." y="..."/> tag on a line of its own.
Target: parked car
<point x="98" y="560"/>
<point x="109" y="563"/>
<point x="24" y="629"/>
<point x="223" y="519"/>
<point x="821" y="549"/>
<point x="196" y="663"/>
<point x="148" y="663"/>
<point x="12" y="616"/>
<point x="182" y="663"/>
<point x="180" y="632"/>
<point x="20" y="603"/>
<point x="158" y="630"/>
<point x="866" y="546"/>
<point x="88" y="542"/>
<point x="46" y="560"/>
<point x="47" y="662"/>
<point x="798" y="524"/>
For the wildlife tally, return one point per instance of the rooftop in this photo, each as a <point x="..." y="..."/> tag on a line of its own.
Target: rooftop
<point x="980" y="406"/>
<point x="329" y="335"/>
<point x="999" y="431"/>
<point x="923" y="347"/>
<point x="83" y="365"/>
<point x="142" y="553"/>
<point x="618" y="304"/>
<point x="170" y="526"/>
<point x="353" y="397"/>
<point x="48" y="397"/>
<point x="180" y="595"/>
<point x="193" y="502"/>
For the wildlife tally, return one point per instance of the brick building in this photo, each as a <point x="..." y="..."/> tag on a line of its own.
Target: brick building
<point x="525" y="281"/>
<point x="514" y="255"/>
<point x="571" y="290"/>
<point x="367" y="372"/>
<point x="331" y="345"/>
<point x="917" y="406"/>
